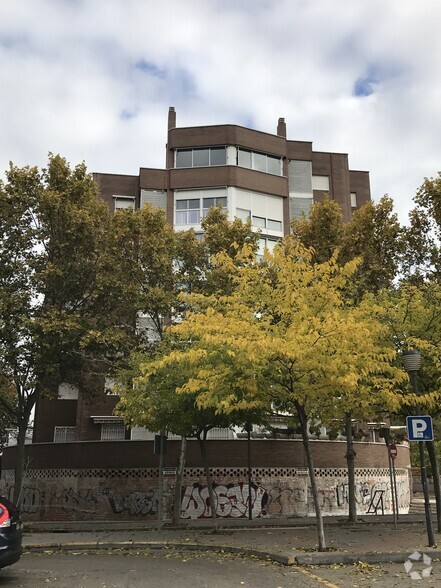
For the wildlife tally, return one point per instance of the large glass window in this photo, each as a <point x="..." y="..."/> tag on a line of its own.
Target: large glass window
<point x="259" y="161"/>
<point x="184" y="158"/>
<point x="218" y="156"/>
<point x="190" y="211"/>
<point x="201" y="157"/>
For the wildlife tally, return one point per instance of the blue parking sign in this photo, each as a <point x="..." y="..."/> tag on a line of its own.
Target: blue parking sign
<point x="419" y="428"/>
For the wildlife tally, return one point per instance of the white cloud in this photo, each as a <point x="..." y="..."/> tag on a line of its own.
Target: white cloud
<point x="70" y="83"/>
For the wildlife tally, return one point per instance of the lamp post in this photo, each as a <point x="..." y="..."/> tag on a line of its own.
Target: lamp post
<point x="412" y="363"/>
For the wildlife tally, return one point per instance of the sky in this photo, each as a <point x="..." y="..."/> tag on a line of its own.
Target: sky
<point x="93" y="80"/>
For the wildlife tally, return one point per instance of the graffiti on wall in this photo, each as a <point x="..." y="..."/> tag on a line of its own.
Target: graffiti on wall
<point x="370" y="495"/>
<point x="272" y="495"/>
<point x="134" y="503"/>
<point x="79" y="500"/>
<point x="232" y="501"/>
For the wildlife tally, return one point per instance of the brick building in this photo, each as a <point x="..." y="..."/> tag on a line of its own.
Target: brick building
<point x="84" y="465"/>
<point x="253" y="175"/>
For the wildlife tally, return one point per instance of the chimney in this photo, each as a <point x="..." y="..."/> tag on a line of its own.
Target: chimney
<point x="171" y="118"/>
<point x="281" y="128"/>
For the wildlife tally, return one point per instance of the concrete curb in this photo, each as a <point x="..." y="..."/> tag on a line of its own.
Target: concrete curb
<point x="131" y="545"/>
<point x="316" y="558"/>
<point x="326" y="559"/>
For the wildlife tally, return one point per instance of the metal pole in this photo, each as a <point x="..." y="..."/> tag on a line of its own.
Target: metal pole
<point x="427" y="509"/>
<point x="250" y="501"/>
<point x="430" y="535"/>
<point x="394" y="475"/>
<point x="394" y="512"/>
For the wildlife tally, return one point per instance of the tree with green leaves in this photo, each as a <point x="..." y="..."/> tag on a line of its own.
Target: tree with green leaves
<point x="413" y="313"/>
<point x="61" y="307"/>
<point x="422" y="259"/>
<point x="152" y="401"/>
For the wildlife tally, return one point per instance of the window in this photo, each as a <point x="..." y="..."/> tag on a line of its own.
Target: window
<point x="243" y="214"/>
<point x="216" y="201"/>
<point x="320" y="183"/>
<point x="190" y="211"/>
<point x="259" y="222"/>
<point x="202" y="157"/>
<point x="354" y="199"/>
<point x="266" y="243"/>
<point x="274" y="225"/>
<point x="259" y="161"/>
<point x="123" y="202"/>
<point x="64" y="434"/>
<point x="157" y="198"/>
<point x="265" y="211"/>
<point x="113" y="432"/>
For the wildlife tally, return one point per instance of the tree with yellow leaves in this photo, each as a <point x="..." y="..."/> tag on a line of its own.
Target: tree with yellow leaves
<point x="283" y="338"/>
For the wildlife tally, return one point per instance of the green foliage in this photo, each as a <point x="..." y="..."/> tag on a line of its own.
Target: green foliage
<point x="374" y="235"/>
<point x="60" y="298"/>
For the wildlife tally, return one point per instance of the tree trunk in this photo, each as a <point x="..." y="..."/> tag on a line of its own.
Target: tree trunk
<point x="307" y="448"/>
<point x="203" y="446"/>
<point x="179" y="481"/>
<point x="350" y="460"/>
<point x="435" y="475"/>
<point x="20" y="463"/>
<point x="161" y="481"/>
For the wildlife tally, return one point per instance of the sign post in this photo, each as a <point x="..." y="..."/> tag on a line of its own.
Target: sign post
<point x="393" y="454"/>
<point x="420" y="428"/>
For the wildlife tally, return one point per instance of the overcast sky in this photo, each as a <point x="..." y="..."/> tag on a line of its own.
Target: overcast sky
<point x="93" y="80"/>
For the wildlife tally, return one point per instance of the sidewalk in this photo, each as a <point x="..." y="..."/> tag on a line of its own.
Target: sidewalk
<point x="287" y="541"/>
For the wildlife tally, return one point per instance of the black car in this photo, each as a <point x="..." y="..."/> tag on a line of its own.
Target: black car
<point x="10" y="533"/>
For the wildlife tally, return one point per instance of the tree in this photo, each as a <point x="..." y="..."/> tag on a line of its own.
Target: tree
<point x="413" y="312"/>
<point x="283" y="338"/>
<point x="375" y="237"/>
<point x="322" y="230"/>
<point x="60" y="306"/>
<point x="149" y="398"/>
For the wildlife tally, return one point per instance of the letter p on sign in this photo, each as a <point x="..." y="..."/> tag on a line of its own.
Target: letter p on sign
<point x="419" y="428"/>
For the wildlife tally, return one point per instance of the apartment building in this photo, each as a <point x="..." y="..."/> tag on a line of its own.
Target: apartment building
<point x="253" y="175"/>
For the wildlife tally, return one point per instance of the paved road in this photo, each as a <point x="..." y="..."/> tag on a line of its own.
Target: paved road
<point x="197" y="570"/>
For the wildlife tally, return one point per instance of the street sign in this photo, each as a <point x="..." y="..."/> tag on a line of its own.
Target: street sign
<point x="393" y="450"/>
<point x="419" y="428"/>
<point x="169" y="472"/>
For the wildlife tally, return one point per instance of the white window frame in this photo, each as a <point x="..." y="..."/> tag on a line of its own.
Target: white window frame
<point x="354" y="200"/>
<point x="129" y="200"/>
<point x="200" y="212"/>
